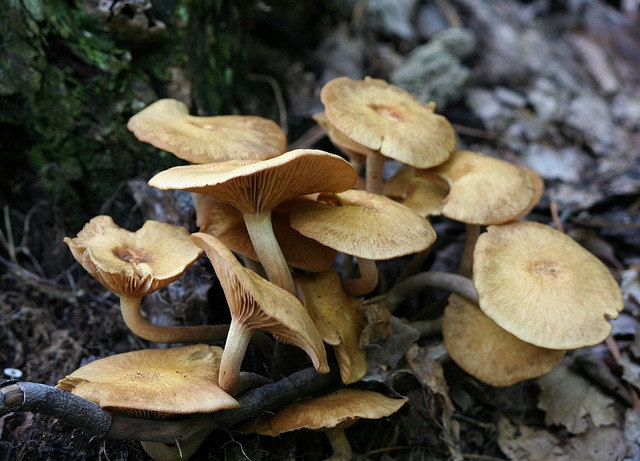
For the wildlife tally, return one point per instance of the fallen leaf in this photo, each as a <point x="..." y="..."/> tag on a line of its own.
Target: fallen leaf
<point x="523" y="443"/>
<point x="571" y="401"/>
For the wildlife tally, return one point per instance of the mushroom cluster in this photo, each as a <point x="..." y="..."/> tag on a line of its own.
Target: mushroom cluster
<point x="272" y="224"/>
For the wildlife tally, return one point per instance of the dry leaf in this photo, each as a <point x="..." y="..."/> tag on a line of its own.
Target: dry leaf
<point x="571" y="401"/>
<point x="522" y="443"/>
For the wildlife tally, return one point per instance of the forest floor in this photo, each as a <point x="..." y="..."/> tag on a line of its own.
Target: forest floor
<point x="556" y="88"/>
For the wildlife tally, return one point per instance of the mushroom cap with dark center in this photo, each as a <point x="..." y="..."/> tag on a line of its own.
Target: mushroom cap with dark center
<point x="181" y="380"/>
<point x="484" y="190"/>
<point x="366" y="225"/>
<point x="133" y="264"/>
<point x="543" y="287"/>
<point x="337" y="409"/>
<point x="258" y="186"/>
<point x="166" y="124"/>
<point x="389" y="120"/>
<point x="259" y="304"/>
<point x="489" y="353"/>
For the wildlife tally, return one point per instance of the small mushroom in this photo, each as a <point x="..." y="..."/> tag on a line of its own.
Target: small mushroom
<point x="331" y="413"/>
<point x="134" y="265"/>
<point x="390" y="122"/>
<point x="339" y="319"/>
<point x="255" y="188"/>
<point x="365" y="225"/>
<point x="166" y="124"/>
<point x="154" y="382"/>
<point x="543" y="287"/>
<point x="257" y="304"/>
<point x="157" y="384"/>
<point x="488" y="352"/>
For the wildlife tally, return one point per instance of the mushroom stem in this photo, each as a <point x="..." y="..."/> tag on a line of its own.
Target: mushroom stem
<point x="268" y="250"/>
<point x="130" y="308"/>
<point x="339" y="443"/>
<point x="234" y="350"/>
<point x="472" y="232"/>
<point x="455" y="283"/>
<point x="368" y="278"/>
<point x="375" y="172"/>
<point x="182" y="450"/>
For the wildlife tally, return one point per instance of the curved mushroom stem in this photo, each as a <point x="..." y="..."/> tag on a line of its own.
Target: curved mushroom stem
<point x="268" y="250"/>
<point x="234" y="350"/>
<point x="455" y="283"/>
<point x="130" y="308"/>
<point x="368" y="278"/>
<point x="339" y="443"/>
<point x="375" y="172"/>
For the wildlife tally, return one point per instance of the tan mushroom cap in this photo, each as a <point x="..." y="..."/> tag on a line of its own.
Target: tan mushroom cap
<point x="133" y="264"/>
<point x="227" y="224"/>
<point x="258" y="304"/>
<point x="179" y="380"/>
<point x="256" y="186"/>
<point x="543" y="287"/>
<point x="367" y="225"/>
<point x="356" y="152"/>
<point x="339" y="319"/>
<point x="387" y="119"/>
<point x="337" y="409"/>
<point x="166" y="124"/>
<point x="485" y="190"/>
<point x="489" y="353"/>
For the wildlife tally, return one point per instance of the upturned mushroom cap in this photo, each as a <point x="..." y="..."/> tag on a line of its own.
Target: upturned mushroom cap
<point x="180" y="380"/>
<point x="366" y="225"/>
<point x="166" y="124"/>
<point x="258" y="304"/>
<point x="337" y="409"/>
<point x="488" y="352"/>
<point x="339" y="320"/>
<point x="256" y="186"/>
<point x="133" y="264"/>
<point x="356" y="152"/>
<point x="227" y="224"/>
<point x="484" y="190"/>
<point x="543" y="287"/>
<point x="389" y="120"/>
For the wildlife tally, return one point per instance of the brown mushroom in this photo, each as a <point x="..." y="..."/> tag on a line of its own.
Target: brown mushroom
<point x="167" y="125"/>
<point x="365" y="225"/>
<point x="488" y="352"/>
<point x="330" y="413"/>
<point x="135" y="264"/>
<point x="390" y="122"/>
<point x="257" y="304"/>
<point x="543" y="287"/>
<point x="339" y="319"/>
<point x="255" y="188"/>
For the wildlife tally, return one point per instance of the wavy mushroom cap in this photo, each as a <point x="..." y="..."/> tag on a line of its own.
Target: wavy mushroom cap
<point x="365" y="225"/>
<point x="389" y="120"/>
<point x="543" y="287"/>
<point x="485" y="190"/>
<point x="166" y="124"/>
<point x="133" y="264"/>
<point x="337" y="409"/>
<point x="154" y="382"/>
<point x="489" y="353"/>
<point x="258" y="304"/>
<point x="257" y="186"/>
<point x="339" y="320"/>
